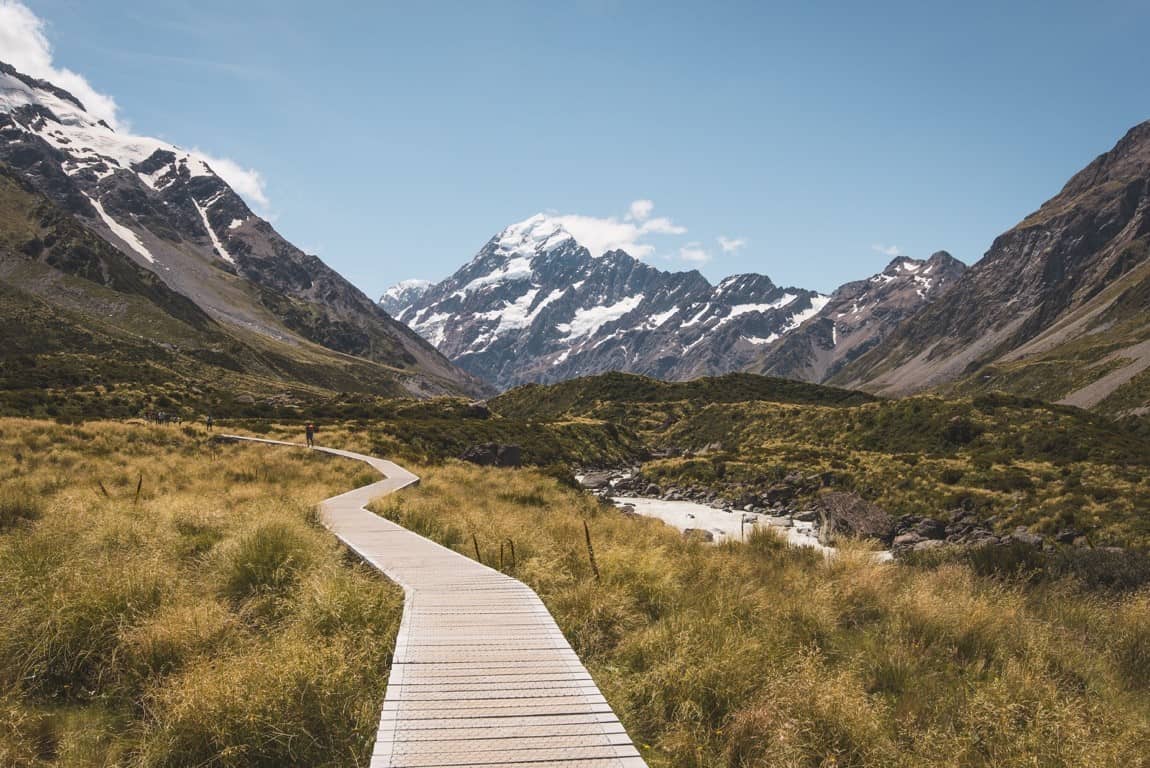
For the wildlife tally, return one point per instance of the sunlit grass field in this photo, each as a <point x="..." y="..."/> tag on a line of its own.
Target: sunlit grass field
<point x="761" y="655"/>
<point x="170" y="601"/>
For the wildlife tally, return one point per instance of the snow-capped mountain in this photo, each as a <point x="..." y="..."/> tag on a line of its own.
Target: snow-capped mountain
<point x="167" y="210"/>
<point x="536" y="306"/>
<point x="859" y="315"/>
<point x="403" y="294"/>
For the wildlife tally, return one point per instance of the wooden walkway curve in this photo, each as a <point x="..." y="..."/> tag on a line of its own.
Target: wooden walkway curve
<point x="481" y="674"/>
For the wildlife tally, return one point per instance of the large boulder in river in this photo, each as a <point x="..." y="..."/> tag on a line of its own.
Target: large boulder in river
<point x="595" y="481"/>
<point x="848" y="514"/>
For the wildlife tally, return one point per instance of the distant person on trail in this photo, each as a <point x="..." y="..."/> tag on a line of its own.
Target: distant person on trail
<point x="309" y="431"/>
<point x="209" y="421"/>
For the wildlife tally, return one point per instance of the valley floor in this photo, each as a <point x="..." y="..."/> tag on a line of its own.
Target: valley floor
<point x="763" y="654"/>
<point x="201" y="617"/>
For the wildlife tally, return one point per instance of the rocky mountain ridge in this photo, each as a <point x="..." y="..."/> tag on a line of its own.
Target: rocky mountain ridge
<point x="168" y="211"/>
<point x="534" y="305"/>
<point x="1057" y="308"/>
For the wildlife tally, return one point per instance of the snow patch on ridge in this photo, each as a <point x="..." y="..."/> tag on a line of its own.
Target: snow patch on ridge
<point x="216" y="243"/>
<point x="587" y="321"/>
<point x="797" y="319"/>
<point x="130" y="238"/>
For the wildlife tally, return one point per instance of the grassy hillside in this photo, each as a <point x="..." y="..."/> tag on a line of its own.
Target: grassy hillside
<point x="82" y="319"/>
<point x="172" y="602"/>
<point x="599" y="396"/>
<point x="1095" y="359"/>
<point x="435" y="430"/>
<point x="760" y="655"/>
<point x="1013" y="461"/>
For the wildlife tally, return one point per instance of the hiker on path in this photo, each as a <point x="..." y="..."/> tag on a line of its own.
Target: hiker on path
<point x="309" y="431"/>
<point x="210" y="422"/>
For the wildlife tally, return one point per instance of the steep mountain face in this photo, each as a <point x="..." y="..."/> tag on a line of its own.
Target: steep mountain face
<point x="402" y="295"/>
<point x="172" y="215"/>
<point x="536" y="306"/>
<point x="859" y="315"/>
<point x="1057" y="308"/>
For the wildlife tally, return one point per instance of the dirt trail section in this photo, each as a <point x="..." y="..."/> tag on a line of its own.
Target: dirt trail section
<point x="481" y="675"/>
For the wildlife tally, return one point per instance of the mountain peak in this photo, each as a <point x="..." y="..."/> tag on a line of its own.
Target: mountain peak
<point x="537" y="234"/>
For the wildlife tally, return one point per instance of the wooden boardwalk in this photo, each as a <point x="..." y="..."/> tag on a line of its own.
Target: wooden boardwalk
<point x="481" y="675"/>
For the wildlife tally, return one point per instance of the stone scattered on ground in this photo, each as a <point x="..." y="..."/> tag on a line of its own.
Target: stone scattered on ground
<point x="493" y="455"/>
<point x="833" y="514"/>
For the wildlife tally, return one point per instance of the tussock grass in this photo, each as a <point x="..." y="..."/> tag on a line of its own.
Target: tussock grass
<point x="208" y="622"/>
<point x="764" y="656"/>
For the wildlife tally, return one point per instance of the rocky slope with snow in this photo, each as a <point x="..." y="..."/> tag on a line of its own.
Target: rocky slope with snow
<point x="534" y="305"/>
<point x="170" y="213"/>
<point x="1058" y="308"/>
<point x="859" y="315"/>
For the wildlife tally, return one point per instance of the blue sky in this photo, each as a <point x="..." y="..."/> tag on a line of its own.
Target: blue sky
<point x="393" y="139"/>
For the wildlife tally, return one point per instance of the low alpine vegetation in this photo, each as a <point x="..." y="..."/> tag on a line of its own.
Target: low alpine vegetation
<point x="759" y="655"/>
<point x="170" y="601"/>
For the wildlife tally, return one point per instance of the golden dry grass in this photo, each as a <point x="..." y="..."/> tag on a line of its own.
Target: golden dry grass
<point x="208" y="622"/>
<point x="759" y="655"/>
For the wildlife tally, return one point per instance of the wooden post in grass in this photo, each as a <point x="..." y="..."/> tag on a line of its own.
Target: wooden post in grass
<point x="475" y="541"/>
<point x="591" y="551"/>
<point x="139" y="487"/>
<point x="511" y="545"/>
<point x="103" y="490"/>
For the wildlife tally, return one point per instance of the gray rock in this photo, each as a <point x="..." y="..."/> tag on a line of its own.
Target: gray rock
<point x="930" y="529"/>
<point x="1023" y="536"/>
<point x="929" y="544"/>
<point x="907" y="539"/>
<point x="596" y="480"/>
<point x="807" y="516"/>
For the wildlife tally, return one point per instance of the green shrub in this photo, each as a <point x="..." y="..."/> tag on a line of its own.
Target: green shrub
<point x="270" y="559"/>
<point x="18" y="505"/>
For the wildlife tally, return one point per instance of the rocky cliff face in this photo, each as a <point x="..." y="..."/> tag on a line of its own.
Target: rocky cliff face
<point x="1056" y="308"/>
<point x="166" y="209"/>
<point x="536" y="306"/>
<point x="859" y="315"/>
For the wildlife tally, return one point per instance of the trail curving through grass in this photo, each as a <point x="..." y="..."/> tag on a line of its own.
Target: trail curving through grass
<point x="481" y="675"/>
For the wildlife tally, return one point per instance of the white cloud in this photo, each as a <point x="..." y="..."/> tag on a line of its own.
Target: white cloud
<point x="24" y="45"/>
<point x="694" y="253"/>
<point x="731" y="244"/>
<point x="640" y="210"/>
<point x="247" y="182"/>
<point x="629" y="234"/>
<point x="887" y="250"/>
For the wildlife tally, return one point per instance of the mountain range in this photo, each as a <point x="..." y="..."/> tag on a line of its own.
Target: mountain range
<point x="1056" y="309"/>
<point x="142" y="244"/>
<point x="534" y="305"/>
<point x="128" y="261"/>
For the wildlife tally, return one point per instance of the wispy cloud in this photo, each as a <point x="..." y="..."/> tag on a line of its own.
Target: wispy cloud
<point x="694" y="253"/>
<point x="892" y="251"/>
<point x="629" y="234"/>
<point x="731" y="244"/>
<point x="640" y="210"/>
<point x="24" y="45"/>
<point x="247" y="182"/>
